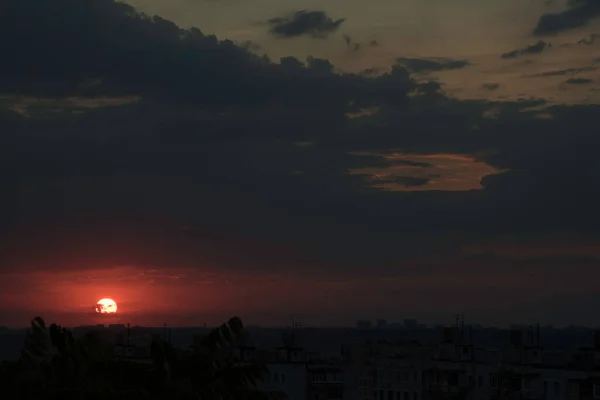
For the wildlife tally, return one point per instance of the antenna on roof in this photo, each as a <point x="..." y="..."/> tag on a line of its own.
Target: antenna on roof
<point x="470" y="334"/>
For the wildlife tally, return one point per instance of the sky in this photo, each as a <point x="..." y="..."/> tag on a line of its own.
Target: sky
<point x="195" y="160"/>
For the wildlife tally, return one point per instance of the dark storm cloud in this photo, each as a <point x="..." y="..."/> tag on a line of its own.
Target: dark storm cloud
<point x="578" y="14"/>
<point x="431" y="64"/>
<point x="536" y="48"/>
<point x="316" y="24"/>
<point x="579" y="81"/>
<point x="84" y="54"/>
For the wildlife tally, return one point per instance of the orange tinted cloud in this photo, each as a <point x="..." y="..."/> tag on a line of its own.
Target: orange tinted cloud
<point x="447" y="172"/>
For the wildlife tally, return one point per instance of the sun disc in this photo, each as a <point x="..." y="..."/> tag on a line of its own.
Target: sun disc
<point x="106" y="306"/>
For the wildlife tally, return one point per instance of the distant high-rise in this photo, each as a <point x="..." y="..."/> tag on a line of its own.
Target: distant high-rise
<point x="410" y="323"/>
<point x="364" y="324"/>
<point x="382" y="323"/>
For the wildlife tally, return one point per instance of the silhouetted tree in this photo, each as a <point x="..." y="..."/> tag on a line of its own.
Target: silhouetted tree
<point x="53" y="364"/>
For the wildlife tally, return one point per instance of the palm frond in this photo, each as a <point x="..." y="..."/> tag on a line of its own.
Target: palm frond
<point x="227" y="334"/>
<point x="246" y="376"/>
<point x="160" y="356"/>
<point x="84" y="368"/>
<point x="61" y="338"/>
<point x="38" y="344"/>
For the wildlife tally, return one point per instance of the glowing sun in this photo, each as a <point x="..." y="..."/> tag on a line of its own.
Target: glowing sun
<point x="106" y="306"/>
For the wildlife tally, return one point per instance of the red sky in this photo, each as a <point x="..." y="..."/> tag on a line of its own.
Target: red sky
<point x="188" y="282"/>
<point x="220" y="183"/>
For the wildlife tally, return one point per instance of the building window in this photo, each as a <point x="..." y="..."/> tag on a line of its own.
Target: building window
<point x="453" y="379"/>
<point x="415" y="396"/>
<point x="545" y="387"/>
<point x="276" y="377"/>
<point x="480" y="381"/>
<point x="597" y="391"/>
<point x="556" y="388"/>
<point x="282" y="378"/>
<point x="415" y="377"/>
<point x="406" y="396"/>
<point x="573" y="388"/>
<point x="398" y="396"/>
<point x="494" y="381"/>
<point x="390" y="395"/>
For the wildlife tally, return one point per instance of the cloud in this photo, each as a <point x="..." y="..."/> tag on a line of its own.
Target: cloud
<point x="578" y="14"/>
<point x="357" y="46"/>
<point x="419" y="65"/>
<point x="589" y="40"/>
<point x="412" y="163"/>
<point x="153" y="58"/>
<point x="316" y="24"/>
<point x="490" y="86"/>
<point x="206" y="172"/>
<point x="405" y="181"/>
<point x="250" y="45"/>
<point x="579" y="81"/>
<point x="561" y="72"/>
<point x="536" y="48"/>
<point x="406" y="172"/>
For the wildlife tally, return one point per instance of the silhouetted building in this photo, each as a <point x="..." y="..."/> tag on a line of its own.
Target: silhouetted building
<point x="364" y="324"/>
<point x="410" y="323"/>
<point x="325" y="383"/>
